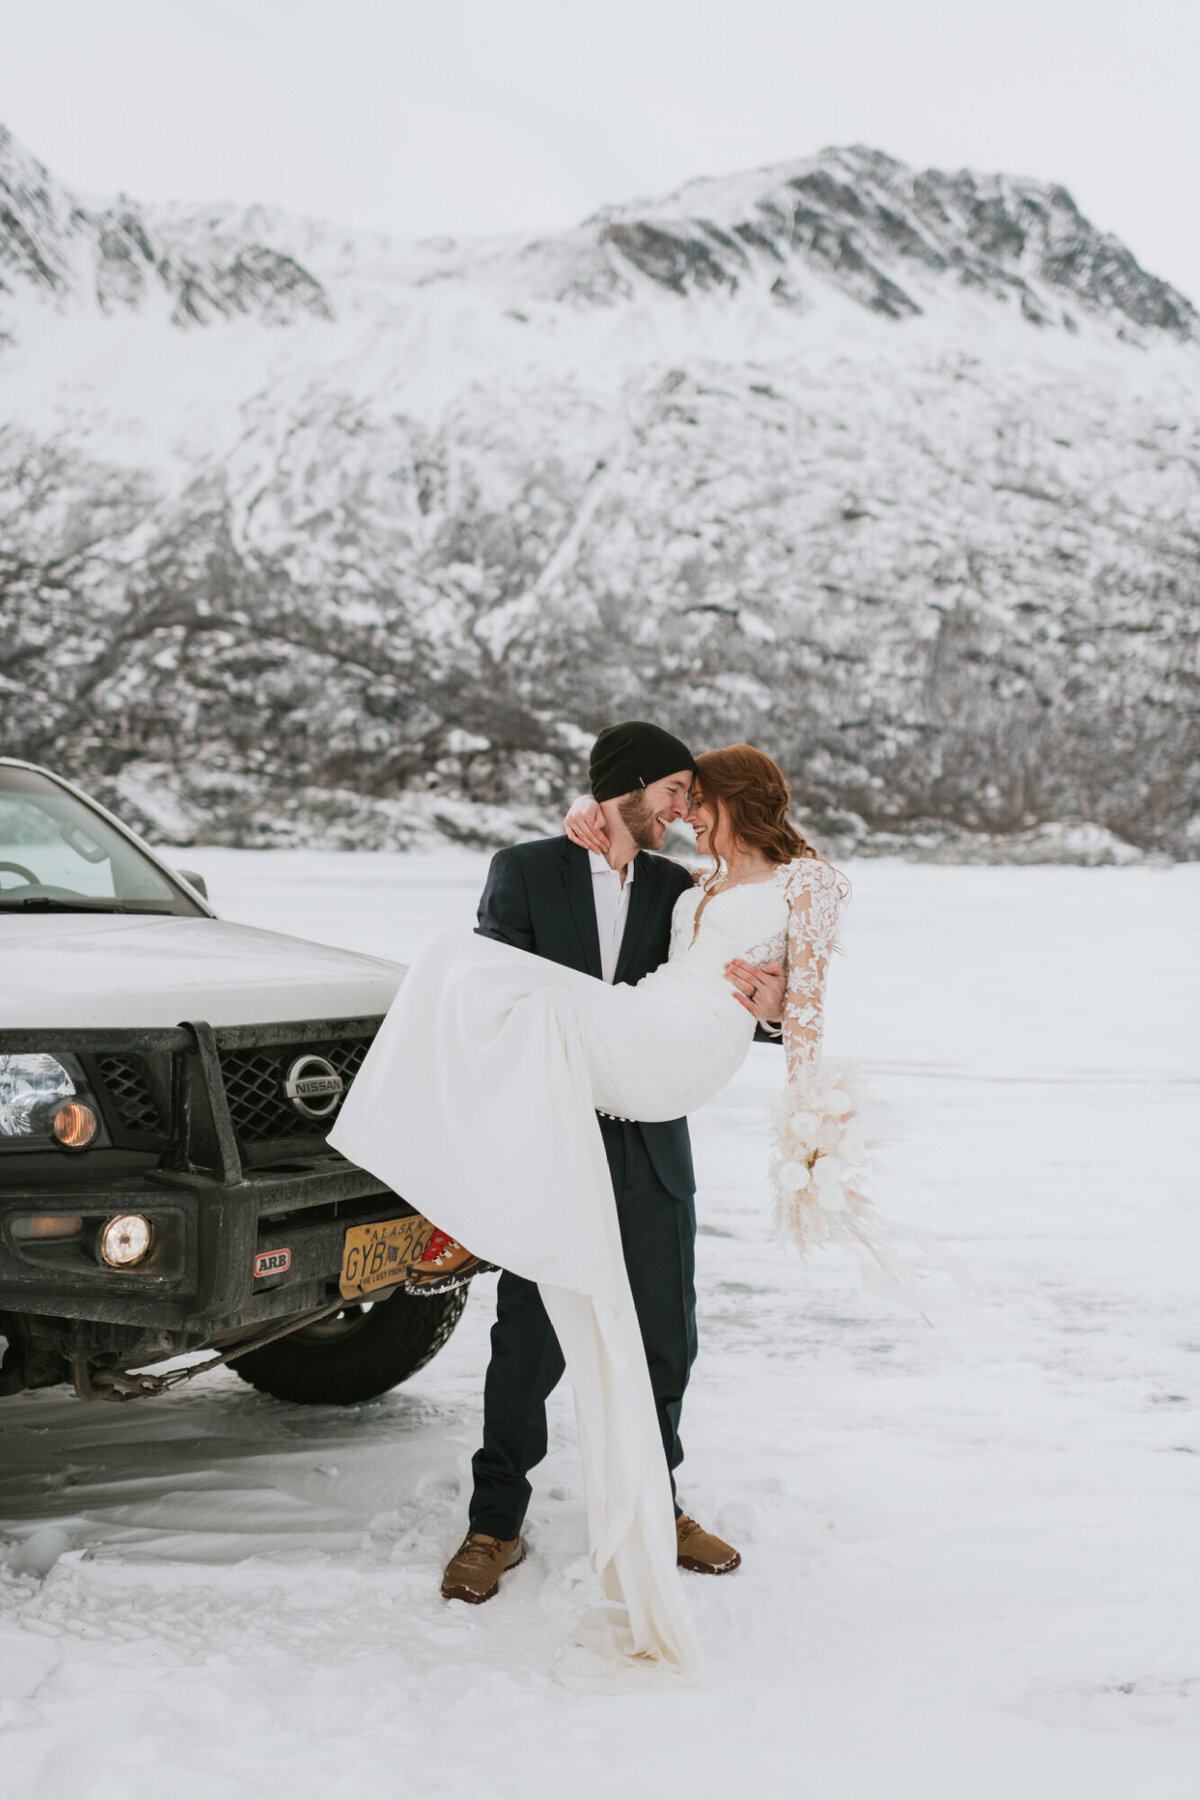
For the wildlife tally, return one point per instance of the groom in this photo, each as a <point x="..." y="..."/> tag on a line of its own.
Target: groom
<point x="609" y="916"/>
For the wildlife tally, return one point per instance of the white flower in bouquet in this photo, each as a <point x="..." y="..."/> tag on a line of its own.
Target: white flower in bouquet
<point x="802" y="1128"/>
<point x="828" y="1139"/>
<point x="794" y="1177"/>
<point x="828" y="1174"/>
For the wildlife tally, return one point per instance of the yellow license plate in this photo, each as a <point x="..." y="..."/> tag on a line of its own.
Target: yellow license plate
<point x="376" y="1256"/>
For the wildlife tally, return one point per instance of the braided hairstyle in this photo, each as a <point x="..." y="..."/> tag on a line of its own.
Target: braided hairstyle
<point x="748" y="790"/>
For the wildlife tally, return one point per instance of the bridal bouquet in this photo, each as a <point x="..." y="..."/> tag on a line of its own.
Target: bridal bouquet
<point x="819" y="1158"/>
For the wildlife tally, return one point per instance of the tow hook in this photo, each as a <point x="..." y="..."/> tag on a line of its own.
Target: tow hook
<point x="93" y="1383"/>
<point x="115" y="1384"/>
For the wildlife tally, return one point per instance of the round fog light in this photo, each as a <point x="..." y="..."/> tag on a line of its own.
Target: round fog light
<point x="75" y="1125"/>
<point x="125" y="1240"/>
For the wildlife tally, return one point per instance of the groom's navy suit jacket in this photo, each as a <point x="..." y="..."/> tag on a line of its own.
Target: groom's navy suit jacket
<point x="539" y="897"/>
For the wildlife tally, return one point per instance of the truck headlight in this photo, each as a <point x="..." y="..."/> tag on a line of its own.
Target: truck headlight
<point x="32" y="1090"/>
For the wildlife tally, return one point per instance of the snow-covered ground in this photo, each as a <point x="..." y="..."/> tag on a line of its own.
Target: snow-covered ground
<point x="970" y="1565"/>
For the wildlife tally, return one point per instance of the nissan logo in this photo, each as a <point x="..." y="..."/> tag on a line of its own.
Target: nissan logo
<point x="313" y="1086"/>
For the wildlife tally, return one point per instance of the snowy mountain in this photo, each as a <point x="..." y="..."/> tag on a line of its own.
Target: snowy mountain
<point x="62" y="249"/>
<point x="309" y="535"/>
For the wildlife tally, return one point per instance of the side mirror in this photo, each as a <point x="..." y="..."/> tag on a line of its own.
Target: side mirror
<point x="196" y="881"/>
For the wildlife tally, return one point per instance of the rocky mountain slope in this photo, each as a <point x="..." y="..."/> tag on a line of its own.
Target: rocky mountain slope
<point x="307" y="535"/>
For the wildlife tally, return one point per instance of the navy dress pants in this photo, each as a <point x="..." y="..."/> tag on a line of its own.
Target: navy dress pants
<point x="658" y="1234"/>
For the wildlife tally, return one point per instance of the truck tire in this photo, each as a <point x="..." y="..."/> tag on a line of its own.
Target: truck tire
<point x="357" y="1353"/>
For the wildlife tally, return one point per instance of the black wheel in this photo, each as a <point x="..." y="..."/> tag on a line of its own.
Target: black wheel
<point x="357" y="1353"/>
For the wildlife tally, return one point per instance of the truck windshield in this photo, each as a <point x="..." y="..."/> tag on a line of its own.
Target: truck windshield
<point x="57" y="854"/>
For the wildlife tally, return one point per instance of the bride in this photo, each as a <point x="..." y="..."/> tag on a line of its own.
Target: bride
<point x="478" y="1101"/>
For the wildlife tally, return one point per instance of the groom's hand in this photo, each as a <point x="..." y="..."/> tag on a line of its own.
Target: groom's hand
<point x="759" y="988"/>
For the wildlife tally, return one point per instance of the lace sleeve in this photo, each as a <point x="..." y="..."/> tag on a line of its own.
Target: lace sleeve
<point x="814" y="895"/>
<point x="818" y="1149"/>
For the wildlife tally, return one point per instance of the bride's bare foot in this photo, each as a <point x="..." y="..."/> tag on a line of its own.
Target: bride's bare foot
<point x="446" y="1264"/>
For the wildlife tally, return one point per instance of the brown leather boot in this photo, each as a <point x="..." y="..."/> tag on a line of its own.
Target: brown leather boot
<point x="444" y="1264"/>
<point x="701" y="1551"/>
<point x="473" y="1572"/>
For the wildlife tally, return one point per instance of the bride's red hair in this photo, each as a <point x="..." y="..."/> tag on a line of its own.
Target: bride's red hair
<point x="750" y="793"/>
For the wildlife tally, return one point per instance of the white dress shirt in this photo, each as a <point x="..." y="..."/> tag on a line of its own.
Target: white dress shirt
<point x="611" y="895"/>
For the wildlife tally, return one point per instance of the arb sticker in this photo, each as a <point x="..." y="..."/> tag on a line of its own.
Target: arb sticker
<point x="272" y="1262"/>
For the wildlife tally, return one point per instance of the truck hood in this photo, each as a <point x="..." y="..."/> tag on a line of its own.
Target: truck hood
<point x="87" y="970"/>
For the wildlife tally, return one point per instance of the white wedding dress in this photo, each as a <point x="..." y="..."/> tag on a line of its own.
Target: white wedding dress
<point x="477" y="1103"/>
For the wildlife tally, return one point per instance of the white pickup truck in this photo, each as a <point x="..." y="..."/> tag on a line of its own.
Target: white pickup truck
<point x="166" y="1083"/>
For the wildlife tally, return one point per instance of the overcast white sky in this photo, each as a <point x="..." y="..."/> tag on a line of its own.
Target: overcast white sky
<point x="468" y="116"/>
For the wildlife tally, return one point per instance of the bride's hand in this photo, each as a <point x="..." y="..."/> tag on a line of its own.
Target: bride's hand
<point x="760" y="988"/>
<point x="584" y="825"/>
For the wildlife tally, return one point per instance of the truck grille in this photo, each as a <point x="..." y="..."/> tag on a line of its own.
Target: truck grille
<point x="254" y="1082"/>
<point x="129" y="1091"/>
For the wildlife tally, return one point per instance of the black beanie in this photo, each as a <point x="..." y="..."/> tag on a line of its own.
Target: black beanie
<point x="631" y="756"/>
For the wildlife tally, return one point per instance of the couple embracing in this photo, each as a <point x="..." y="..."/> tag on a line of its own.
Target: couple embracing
<point x="528" y="1092"/>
